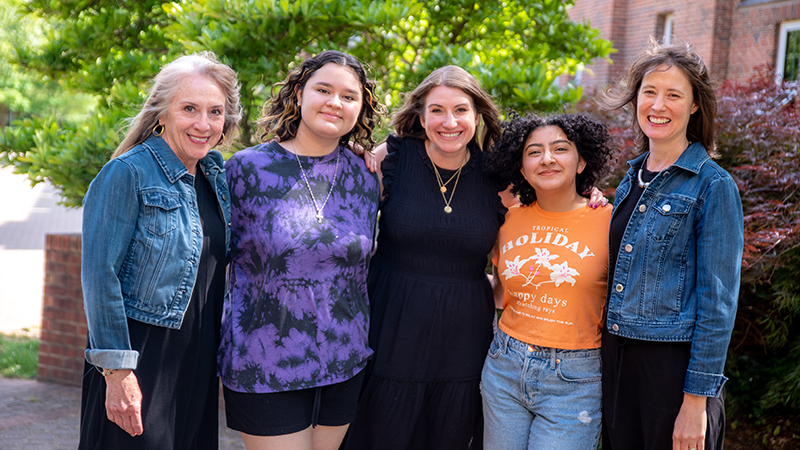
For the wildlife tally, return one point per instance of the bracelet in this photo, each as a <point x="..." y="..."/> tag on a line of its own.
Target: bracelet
<point x="107" y="372"/>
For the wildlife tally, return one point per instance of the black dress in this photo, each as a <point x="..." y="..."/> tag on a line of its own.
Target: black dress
<point x="431" y="306"/>
<point x="177" y="369"/>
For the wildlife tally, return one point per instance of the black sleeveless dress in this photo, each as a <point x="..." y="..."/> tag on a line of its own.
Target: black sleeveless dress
<point x="431" y="306"/>
<point x="177" y="369"/>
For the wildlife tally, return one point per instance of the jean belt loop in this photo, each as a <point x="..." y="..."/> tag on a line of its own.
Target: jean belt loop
<point x="506" y="338"/>
<point x="552" y="359"/>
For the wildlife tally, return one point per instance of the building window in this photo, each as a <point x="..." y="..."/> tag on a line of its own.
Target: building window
<point x="788" y="61"/>
<point x="669" y="20"/>
<point x="664" y="27"/>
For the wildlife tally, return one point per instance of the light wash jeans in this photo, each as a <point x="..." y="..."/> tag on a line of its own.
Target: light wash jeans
<point x="539" y="397"/>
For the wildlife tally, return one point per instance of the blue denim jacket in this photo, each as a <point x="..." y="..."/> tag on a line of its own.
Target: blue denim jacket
<point x="679" y="263"/>
<point x="142" y="239"/>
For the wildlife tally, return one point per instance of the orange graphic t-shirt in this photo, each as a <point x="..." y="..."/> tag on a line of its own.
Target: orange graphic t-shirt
<point x="553" y="267"/>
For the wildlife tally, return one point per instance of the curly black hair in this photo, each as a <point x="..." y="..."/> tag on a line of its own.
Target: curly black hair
<point x="590" y="137"/>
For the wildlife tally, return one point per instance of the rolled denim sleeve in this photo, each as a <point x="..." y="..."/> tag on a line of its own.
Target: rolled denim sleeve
<point x="720" y="238"/>
<point x="110" y="211"/>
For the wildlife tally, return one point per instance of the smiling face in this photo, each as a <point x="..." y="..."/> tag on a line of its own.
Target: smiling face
<point x="330" y="102"/>
<point x="550" y="162"/>
<point x="664" y="105"/>
<point x="194" y="120"/>
<point x="449" y="120"/>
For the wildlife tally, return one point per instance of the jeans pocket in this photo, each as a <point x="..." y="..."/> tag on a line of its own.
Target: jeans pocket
<point x="587" y="369"/>
<point x="496" y="348"/>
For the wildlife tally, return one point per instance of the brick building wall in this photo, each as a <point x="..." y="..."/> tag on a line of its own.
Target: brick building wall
<point x="732" y="36"/>
<point x="63" y="338"/>
<point x="755" y="34"/>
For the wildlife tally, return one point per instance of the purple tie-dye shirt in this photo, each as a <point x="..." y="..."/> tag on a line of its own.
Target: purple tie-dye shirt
<point x="298" y="312"/>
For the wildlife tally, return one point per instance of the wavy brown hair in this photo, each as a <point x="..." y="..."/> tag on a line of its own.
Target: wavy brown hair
<point x="165" y="87"/>
<point x="280" y="116"/>
<point x="625" y="91"/>
<point x="406" y="120"/>
<point x="590" y="137"/>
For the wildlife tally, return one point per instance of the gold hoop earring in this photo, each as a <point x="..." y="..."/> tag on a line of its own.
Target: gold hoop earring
<point x="160" y="132"/>
<point x="221" y="139"/>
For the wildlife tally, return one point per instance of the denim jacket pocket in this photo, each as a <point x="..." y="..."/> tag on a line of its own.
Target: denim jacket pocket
<point x="668" y="216"/>
<point x="160" y="214"/>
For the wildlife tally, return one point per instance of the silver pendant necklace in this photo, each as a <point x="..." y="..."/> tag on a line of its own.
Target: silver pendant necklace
<point x="305" y="179"/>
<point x="642" y="184"/>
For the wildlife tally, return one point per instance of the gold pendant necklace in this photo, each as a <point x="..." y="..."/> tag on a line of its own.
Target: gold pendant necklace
<point x="443" y="186"/>
<point x="305" y="179"/>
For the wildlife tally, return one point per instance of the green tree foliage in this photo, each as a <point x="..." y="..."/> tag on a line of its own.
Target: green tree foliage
<point x="30" y="93"/>
<point x="111" y="49"/>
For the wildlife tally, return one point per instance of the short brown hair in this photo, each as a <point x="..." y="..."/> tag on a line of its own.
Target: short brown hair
<point x="626" y="89"/>
<point x="406" y="120"/>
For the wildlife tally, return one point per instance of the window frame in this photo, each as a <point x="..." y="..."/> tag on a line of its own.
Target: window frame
<point x="786" y="28"/>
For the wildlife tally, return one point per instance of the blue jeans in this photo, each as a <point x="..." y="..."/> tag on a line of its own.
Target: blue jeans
<point x="540" y="397"/>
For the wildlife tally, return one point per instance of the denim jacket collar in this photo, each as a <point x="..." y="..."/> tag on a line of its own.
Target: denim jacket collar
<point x="166" y="158"/>
<point x="172" y="166"/>
<point x="692" y="159"/>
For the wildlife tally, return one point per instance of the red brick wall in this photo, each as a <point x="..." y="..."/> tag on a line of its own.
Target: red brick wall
<point x="732" y="39"/>
<point x="755" y="36"/>
<point x="64" y="330"/>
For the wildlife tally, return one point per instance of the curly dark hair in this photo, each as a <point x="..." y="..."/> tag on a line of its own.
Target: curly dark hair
<point x="590" y="137"/>
<point x="280" y="115"/>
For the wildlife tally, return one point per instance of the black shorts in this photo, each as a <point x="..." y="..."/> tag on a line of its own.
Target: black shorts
<point x="280" y="413"/>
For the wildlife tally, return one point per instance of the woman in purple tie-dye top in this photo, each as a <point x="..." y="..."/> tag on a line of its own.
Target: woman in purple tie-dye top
<point x="303" y="212"/>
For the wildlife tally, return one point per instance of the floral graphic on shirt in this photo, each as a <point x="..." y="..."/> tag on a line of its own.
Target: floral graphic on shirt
<point x="559" y="273"/>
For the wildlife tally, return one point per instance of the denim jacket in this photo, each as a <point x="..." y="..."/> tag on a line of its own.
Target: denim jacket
<point x="679" y="263"/>
<point x="142" y="240"/>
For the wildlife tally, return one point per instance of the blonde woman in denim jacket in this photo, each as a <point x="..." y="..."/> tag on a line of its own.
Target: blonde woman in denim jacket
<point x="675" y="251"/>
<point x="155" y="244"/>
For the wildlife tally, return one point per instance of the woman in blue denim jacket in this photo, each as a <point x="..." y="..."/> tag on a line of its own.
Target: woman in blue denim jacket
<point x="675" y="251"/>
<point x="155" y="243"/>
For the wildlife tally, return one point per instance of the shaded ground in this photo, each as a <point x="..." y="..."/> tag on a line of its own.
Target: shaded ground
<point x="773" y="434"/>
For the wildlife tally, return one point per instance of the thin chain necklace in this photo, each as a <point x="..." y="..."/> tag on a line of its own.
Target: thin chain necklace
<point x="443" y="186"/>
<point x="305" y="178"/>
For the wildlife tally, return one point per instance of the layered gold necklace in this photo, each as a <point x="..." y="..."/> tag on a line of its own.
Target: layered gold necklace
<point x="443" y="185"/>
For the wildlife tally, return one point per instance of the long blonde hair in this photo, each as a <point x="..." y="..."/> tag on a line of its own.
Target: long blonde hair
<point x="166" y="85"/>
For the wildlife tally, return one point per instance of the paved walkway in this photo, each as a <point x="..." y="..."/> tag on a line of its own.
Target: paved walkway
<point x="36" y="415"/>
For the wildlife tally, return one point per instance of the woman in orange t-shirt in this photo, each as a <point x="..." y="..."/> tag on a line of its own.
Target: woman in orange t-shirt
<point x="541" y="380"/>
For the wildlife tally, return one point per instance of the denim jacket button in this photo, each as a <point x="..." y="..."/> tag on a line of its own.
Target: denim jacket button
<point x="224" y="197"/>
<point x="628" y="248"/>
<point x="619" y="288"/>
<point x="666" y="208"/>
<point x="615" y="327"/>
<point x="642" y="208"/>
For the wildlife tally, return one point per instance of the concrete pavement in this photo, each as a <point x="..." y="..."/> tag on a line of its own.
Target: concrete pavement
<point x="36" y="415"/>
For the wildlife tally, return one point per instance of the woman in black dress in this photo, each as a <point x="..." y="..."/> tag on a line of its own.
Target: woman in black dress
<point x="155" y="241"/>
<point x="431" y="302"/>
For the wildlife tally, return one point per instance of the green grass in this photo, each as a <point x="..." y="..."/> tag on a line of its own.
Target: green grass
<point x="18" y="356"/>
